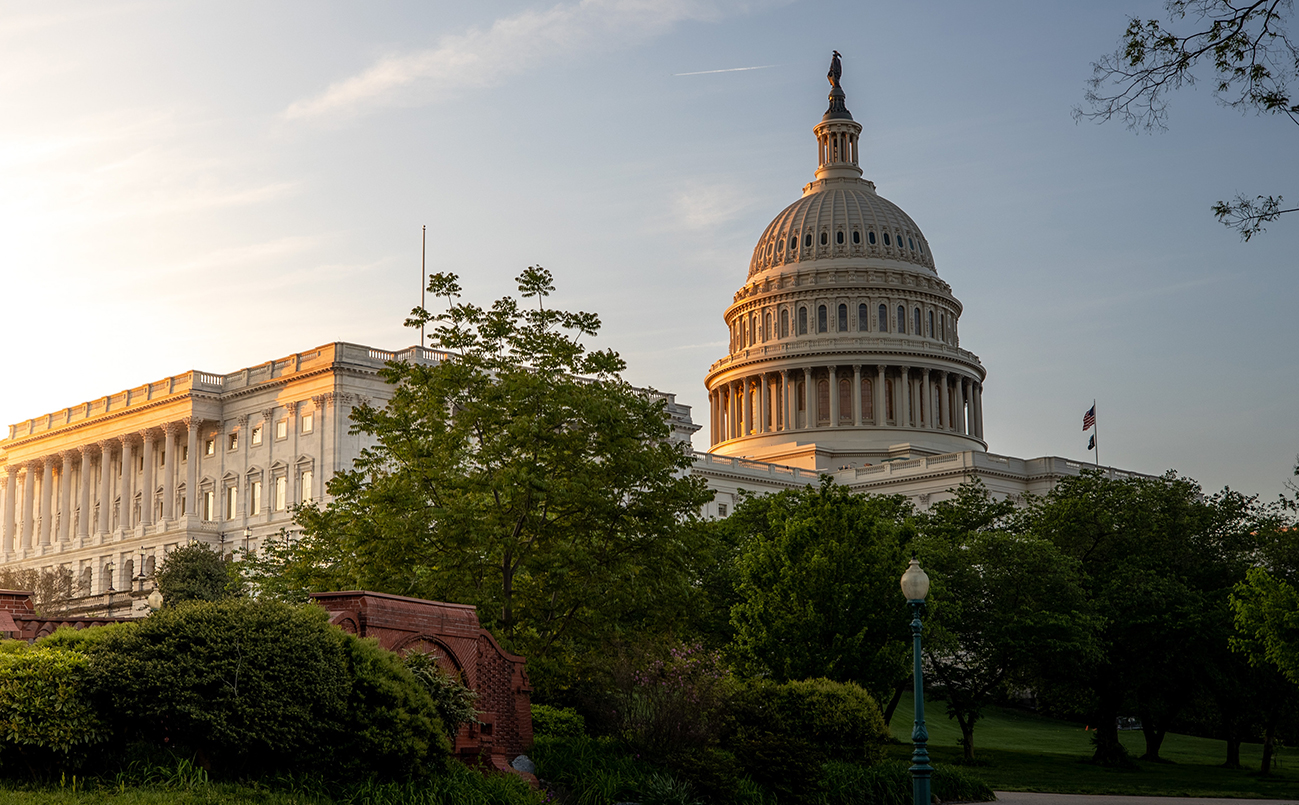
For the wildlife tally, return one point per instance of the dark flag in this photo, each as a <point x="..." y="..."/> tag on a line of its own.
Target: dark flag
<point x="1089" y="418"/>
<point x="1091" y="443"/>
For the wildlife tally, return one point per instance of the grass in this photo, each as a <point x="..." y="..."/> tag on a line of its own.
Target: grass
<point x="1020" y="751"/>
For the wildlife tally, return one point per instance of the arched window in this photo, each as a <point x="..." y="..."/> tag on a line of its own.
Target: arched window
<point x="867" y="399"/>
<point x="793" y="243"/>
<point x="856" y="237"/>
<point x="825" y="238"/>
<point x="886" y="239"/>
<point x="931" y="324"/>
<point x="942" y="332"/>
<point x="807" y="241"/>
<point x="883" y="319"/>
<point x="821" y="324"/>
<point x="920" y="246"/>
<point x="822" y="401"/>
<point x="902" y="320"/>
<point x="780" y="244"/>
<point x="863" y="316"/>
<point x="843" y="318"/>
<point x="766" y="324"/>
<point x="870" y="236"/>
<point x="838" y="237"/>
<point x="912" y="244"/>
<point x="784" y="323"/>
<point x="916" y="320"/>
<point x="802" y="321"/>
<point x="845" y="400"/>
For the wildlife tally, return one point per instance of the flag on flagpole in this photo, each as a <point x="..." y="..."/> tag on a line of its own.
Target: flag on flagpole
<point x="1089" y="418"/>
<point x="1091" y="443"/>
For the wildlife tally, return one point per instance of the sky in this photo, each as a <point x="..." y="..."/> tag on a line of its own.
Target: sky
<point x="211" y="185"/>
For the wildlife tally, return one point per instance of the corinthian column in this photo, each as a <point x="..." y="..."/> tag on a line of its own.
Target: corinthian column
<point x="764" y="391"/>
<point x="11" y="504"/>
<point x="834" y="398"/>
<point x="961" y="426"/>
<point x="856" y="395"/>
<point x="191" y="466"/>
<point x="904" y="387"/>
<point x="944" y="401"/>
<point x="927" y="398"/>
<point x="169" y="431"/>
<point x="977" y="392"/>
<point x="810" y="412"/>
<point x="29" y="503"/>
<point x="881" y="411"/>
<point x="786" y="402"/>
<point x="83" y="494"/>
<point x="47" y="499"/>
<point x="65" y="495"/>
<point x="125" y="518"/>
<point x="105" y="488"/>
<point x="146" y="480"/>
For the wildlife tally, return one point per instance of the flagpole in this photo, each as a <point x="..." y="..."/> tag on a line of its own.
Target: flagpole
<point x="423" y="280"/>
<point x="1096" y="434"/>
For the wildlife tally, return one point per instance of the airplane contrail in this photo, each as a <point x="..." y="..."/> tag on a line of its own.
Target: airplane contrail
<point x="729" y="70"/>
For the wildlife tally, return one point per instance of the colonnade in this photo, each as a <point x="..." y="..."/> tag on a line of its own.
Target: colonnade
<point x="96" y="487"/>
<point x="833" y="396"/>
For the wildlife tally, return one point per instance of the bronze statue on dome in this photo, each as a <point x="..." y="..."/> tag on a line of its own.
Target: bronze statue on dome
<point x="836" y="69"/>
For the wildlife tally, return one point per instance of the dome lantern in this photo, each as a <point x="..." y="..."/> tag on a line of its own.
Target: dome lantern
<point x="837" y="134"/>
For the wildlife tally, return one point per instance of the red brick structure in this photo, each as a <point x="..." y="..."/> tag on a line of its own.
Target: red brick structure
<point x="18" y="618"/>
<point x="465" y="649"/>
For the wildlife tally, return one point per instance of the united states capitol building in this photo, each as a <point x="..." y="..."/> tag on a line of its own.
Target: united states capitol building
<point x="845" y="359"/>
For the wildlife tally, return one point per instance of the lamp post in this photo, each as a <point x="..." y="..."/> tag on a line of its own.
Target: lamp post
<point x="915" y="586"/>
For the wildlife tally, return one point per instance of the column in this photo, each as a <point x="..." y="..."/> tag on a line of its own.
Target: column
<point x="834" y="398"/>
<point x="65" y="496"/>
<point x="786" y="402"/>
<point x="169" y="451"/>
<point x="764" y="390"/>
<point x="105" y="491"/>
<point x="47" y="498"/>
<point x="881" y="411"/>
<point x="127" y="507"/>
<point x="977" y="390"/>
<point x="904" y="388"/>
<point x="944" y="402"/>
<point x="927" y="397"/>
<point x="733" y="392"/>
<point x="960" y="405"/>
<point x="29" y="503"/>
<point x="192" y="424"/>
<point x="856" y="395"/>
<point x="810" y="412"/>
<point x="292" y="410"/>
<point x="11" y="506"/>
<point x="83" y="494"/>
<point x="146" y="480"/>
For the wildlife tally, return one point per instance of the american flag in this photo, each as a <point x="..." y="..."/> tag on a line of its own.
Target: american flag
<point x="1089" y="418"/>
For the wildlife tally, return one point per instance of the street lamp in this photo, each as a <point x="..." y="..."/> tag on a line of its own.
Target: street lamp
<point x="915" y="586"/>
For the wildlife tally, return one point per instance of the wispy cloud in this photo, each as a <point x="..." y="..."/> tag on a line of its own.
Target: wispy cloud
<point x="483" y="58"/>
<point x="728" y="70"/>
<point x="706" y="206"/>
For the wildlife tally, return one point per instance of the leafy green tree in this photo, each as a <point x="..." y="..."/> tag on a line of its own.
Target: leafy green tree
<point x="195" y="572"/>
<point x="818" y="588"/>
<point x="520" y="474"/>
<point x="1255" y="63"/>
<point x="1003" y="607"/>
<point x="1156" y="559"/>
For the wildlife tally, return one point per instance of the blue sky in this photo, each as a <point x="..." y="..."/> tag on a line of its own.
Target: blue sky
<point x="211" y="185"/>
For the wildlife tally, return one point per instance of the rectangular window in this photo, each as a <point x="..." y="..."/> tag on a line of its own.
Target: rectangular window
<point x="233" y="441"/>
<point x="209" y="447"/>
<point x="232" y="502"/>
<point x="257" y="435"/>
<point x="184" y="452"/>
<point x="282" y="429"/>
<point x="281" y="492"/>
<point x="721" y="509"/>
<point x="255" y="502"/>
<point x="307" y="478"/>
<point x="181" y="505"/>
<point x="209" y="505"/>
<point x="307" y="421"/>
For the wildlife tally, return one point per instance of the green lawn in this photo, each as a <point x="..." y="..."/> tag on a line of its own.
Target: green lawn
<point x="1025" y="752"/>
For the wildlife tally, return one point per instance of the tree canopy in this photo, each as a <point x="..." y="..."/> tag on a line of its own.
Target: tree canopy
<point x="1254" y="65"/>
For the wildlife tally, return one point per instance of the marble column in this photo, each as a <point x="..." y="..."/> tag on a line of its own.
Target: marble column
<point x="47" y="499"/>
<point x="881" y="411"/>
<point x="856" y="395"/>
<point x="961" y="426"/>
<point x="904" y="387"/>
<point x="192" y="424"/>
<point x="65" y="496"/>
<point x="786" y="402"/>
<point x="169" y="452"/>
<point x="126" y="509"/>
<point x="11" y="506"/>
<point x="764" y="416"/>
<point x="146" y="479"/>
<point x="105" y="485"/>
<point x="810" y="413"/>
<point x="834" y="397"/>
<point x="927" y="397"/>
<point x="83" y="494"/>
<point x="978" y="409"/>
<point x="944" y="402"/>
<point x="29" y="503"/>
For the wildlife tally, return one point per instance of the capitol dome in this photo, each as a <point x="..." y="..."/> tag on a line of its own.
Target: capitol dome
<point x="844" y="347"/>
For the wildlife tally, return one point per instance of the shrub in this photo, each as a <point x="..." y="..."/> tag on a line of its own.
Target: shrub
<point x="454" y="701"/>
<point x="559" y="722"/>
<point x="669" y="704"/>
<point x="197" y="573"/>
<point x="46" y="715"/>
<point x="890" y="784"/>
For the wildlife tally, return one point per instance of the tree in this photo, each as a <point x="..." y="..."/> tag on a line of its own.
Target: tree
<point x="520" y="474"/>
<point x="195" y="572"/>
<point x="1254" y="63"/>
<point x="818" y="588"/>
<point x="1003" y="607"/>
<point x="51" y="589"/>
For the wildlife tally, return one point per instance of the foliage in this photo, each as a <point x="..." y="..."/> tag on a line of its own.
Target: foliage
<point x="1003" y="607"/>
<point x="454" y="700"/>
<point x="254" y="687"/>
<point x="196" y="572"/>
<point x="1255" y="63"/>
<point x="670" y="703"/>
<point x="51" y="589"/>
<point x="500" y="477"/>
<point x="818" y="587"/>
<point x="890" y="784"/>
<point x="46" y="715"/>
<point x="557" y="722"/>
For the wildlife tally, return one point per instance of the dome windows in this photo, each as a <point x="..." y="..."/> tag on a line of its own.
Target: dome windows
<point x="870" y="236"/>
<point x="843" y="317"/>
<point x="856" y="237"/>
<point x="915" y="320"/>
<point x="822" y="323"/>
<point x="825" y="238"/>
<point x="902" y="320"/>
<point x="912" y="244"/>
<point x="807" y="241"/>
<point x="931" y="324"/>
<point x="883" y="319"/>
<point x="886" y="239"/>
<point x="802" y="319"/>
<point x="793" y="243"/>
<point x="784" y="322"/>
<point x="863" y="317"/>
<point x="838" y="237"/>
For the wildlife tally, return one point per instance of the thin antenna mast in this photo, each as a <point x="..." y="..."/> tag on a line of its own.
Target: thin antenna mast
<point x="423" y="284"/>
